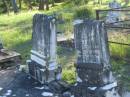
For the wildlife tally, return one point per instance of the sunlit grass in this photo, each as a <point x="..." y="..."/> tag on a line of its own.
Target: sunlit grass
<point x="119" y="37"/>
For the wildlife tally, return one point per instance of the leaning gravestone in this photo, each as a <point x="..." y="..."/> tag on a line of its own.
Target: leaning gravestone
<point x="113" y="16"/>
<point x="43" y="66"/>
<point x="94" y="75"/>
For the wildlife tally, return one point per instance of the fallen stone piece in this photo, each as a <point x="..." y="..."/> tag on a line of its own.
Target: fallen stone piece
<point x="47" y="94"/>
<point x="1" y="88"/>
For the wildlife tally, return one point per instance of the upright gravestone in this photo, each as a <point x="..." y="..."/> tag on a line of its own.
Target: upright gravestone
<point x="113" y="16"/>
<point x="94" y="75"/>
<point x="43" y="66"/>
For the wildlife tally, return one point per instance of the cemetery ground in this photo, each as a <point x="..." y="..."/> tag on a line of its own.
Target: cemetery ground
<point x="16" y="34"/>
<point x="16" y="31"/>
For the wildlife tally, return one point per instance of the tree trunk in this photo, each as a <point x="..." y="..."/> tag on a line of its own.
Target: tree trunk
<point x="6" y="6"/>
<point x="14" y="5"/>
<point x="41" y="4"/>
<point x="99" y="1"/>
<point x="47" y="4"/>
<point x="53" y="2"/>
<point x="4" y="3"/>
<point x="30" y="5"/>
<point x="20" y="4"/>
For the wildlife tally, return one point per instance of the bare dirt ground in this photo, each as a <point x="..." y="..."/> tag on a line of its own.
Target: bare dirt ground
<point x="18" y="84"/>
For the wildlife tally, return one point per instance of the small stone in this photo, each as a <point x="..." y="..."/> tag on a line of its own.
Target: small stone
<point x="14" y="95"/>
<point x="9" y="91"/>
<point x="27" y="95"/>
<point x="47" y="94"/>
<point x="29" y="77"/>
<point x="4" y="96"/>
<point x="40" y="88"/>
<point x="1" y="88"/>
<point x="7" y="94"/>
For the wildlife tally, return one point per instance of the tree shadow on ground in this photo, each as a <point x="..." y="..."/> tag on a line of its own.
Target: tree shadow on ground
<point x="24" y="49"/>
<point x="66" y="57"/>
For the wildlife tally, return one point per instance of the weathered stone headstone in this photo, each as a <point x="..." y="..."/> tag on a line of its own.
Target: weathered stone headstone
<point x="43" y="66"/>
<point x="113" y="16"/>
<point x="94" y="75"/>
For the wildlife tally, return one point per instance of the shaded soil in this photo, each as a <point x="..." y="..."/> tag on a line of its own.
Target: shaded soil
<point x="18" y="84"/>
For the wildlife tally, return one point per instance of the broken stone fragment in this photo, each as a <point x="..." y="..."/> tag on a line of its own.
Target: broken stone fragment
<point x="8" y="93"/>
<point x="1" y="88"/>
<point x="49" y="94"/>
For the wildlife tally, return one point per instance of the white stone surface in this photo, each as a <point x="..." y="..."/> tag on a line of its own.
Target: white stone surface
<point x="92" y="88"/>
<point x="8" y="93"/>
<point x="109" y="86"/>
<point x="38" y="60"/>
<point x="52" y="66"/>
<point x="1" y="88"/>
<point x="47" y="94"/>
<point x="14" y="95"/>
<point x="27" y="95"/>
<point x="59" y="76"/>
<point x="40" y="88"/>
<point x="78" y="21"/>
<point x="53" y="41"/>
<point x="112" y="93"/>
<point x="79" y="79"/>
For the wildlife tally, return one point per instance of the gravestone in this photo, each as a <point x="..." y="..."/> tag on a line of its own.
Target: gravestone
<point x="43" y="66"/>
<point x="113" y="16"/>
<point x="94" y="75"/>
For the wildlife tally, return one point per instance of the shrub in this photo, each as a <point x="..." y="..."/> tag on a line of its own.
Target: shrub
<point x="83" y="12"/>
<point x="69" y="75"/>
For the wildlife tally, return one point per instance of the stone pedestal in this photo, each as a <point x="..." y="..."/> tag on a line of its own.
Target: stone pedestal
<point x="94" y="75"/>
